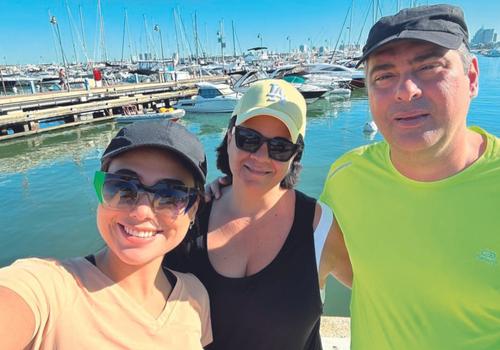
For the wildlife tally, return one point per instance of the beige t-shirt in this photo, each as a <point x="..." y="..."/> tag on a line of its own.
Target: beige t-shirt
<point x="76" y="306"/>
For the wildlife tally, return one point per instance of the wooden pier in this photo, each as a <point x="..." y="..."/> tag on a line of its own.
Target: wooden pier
<point x="25" y="115"/>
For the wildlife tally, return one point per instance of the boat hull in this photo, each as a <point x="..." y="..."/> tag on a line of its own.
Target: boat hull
<point x="223" y="105"/>
<point x="174" y="115"/>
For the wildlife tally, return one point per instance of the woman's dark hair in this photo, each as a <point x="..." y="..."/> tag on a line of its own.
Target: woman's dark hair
<point x="291" y="179"/>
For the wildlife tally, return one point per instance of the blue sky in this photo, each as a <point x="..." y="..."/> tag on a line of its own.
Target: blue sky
<point x="28" y="37"/>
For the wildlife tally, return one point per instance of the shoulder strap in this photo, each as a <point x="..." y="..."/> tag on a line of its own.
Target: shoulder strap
<point x="202" y="218"/>
<point x="304" y="208"/>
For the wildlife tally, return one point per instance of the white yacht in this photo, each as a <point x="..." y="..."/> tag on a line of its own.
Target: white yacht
<point x="339" y="73"/>
<point x="211" y="98"/>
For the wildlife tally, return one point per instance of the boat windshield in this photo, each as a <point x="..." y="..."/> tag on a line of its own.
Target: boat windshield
<point x="209" y="92"/>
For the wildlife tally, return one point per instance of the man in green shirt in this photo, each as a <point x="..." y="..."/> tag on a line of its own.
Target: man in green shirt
<point x="417" y="215"/>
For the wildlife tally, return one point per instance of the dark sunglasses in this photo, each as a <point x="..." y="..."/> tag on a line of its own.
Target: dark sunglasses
<point x="278" y="148"/>
<point x="123" y="192"/>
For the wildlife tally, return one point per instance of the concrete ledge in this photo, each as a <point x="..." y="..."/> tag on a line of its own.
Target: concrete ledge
<point x="335" y="333"/>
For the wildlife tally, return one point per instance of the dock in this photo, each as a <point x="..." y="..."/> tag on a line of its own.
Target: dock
<point x="335" y="333"/>
<point x="24" y="115"/>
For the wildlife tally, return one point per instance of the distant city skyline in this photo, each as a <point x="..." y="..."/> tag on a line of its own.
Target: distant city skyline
<point x="29" y="37"/>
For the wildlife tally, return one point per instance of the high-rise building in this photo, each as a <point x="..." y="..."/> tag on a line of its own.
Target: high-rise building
<point x="484" y="37"/>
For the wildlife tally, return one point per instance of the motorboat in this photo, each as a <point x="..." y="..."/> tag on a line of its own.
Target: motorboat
<point x="162" y="114"/>
<point x="296" y="76"/>
<point x="310" y="92"/>
<point x="242" y="80"/>
<point x="492" y="53"/>
<point x="211" y="98"/>
<point x="339" y="73"/>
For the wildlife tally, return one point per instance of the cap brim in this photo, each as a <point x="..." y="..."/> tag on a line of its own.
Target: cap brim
<point x="446" y="40"/>
<point x="184" y="159"/>
<point x="283" y="117"/>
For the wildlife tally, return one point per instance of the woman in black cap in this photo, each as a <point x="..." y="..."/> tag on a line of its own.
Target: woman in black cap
<point x="148" y="190"/>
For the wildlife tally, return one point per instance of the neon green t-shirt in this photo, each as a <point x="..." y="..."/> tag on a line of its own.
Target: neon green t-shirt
<point x="425" y="255"/>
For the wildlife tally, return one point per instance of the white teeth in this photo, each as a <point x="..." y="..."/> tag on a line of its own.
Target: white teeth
<point x="140" y="234"/>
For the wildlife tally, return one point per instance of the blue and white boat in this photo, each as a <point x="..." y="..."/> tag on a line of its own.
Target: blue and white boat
<point x="211" y="98"/>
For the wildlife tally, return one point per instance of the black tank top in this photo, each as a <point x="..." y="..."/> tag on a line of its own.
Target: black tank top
<point x="279" y="307"/>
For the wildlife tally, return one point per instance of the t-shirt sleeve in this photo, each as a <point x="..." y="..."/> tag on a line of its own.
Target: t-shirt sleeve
<point x="206" y="322"/>
<point x="39" y="282"/>
<point x="326" y="195"/>
<point x="201" y="304"/>
<point x="342" y="163"/>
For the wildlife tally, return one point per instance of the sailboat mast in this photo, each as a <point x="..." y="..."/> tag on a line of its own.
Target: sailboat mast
<point x="207" y="45"/>
<point x="234" y="40"/>
<point x="196" y="39"/>
<point x="123" y="37"/>
<point x="375" y="9"/>
<point x="148" y="48"/>
<point x="84" y="43"/>
<point x="102" y="43"/>
<point x="77" y="59"/>
<point x="221" y="40"/>
<point x="54" y="35"/>
<point x="82" y="35"/>
<point x="128" y="38"/>
<point x="350" y="26"/>
<point x="176" y="33"/>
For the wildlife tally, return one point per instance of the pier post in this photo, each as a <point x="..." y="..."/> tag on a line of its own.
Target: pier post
<point x="33" y="126"/>
<point x="32" y="86"/>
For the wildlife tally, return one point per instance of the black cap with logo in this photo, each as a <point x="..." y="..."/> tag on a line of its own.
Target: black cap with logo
<point x="166" y="135"/>
<point x="443" y="25"/>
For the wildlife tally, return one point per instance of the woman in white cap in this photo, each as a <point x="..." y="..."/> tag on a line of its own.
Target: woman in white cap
<point x="121" y="298"/>
<point x="260" y="260"/>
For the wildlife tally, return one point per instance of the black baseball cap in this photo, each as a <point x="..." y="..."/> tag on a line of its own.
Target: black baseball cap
<point x="166" y="135"/>
<point x="443" y="25"/>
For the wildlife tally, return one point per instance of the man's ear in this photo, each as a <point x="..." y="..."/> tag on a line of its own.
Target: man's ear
<point x="473" y="74"/>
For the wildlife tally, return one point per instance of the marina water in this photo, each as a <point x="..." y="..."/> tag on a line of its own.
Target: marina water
<point x="48" y="204"/>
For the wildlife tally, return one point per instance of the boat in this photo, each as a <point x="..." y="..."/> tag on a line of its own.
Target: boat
<point x="310" y="92"/>
<point x="211" y="98"/>
<point x="345" y="76"/>
<point x="492" y="53"/>
<point x="370" y="127"/>
<point x="162" y="114"/>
